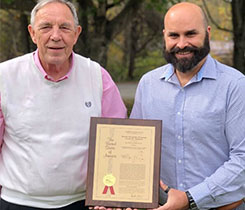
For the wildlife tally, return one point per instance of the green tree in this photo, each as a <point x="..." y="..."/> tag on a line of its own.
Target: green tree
<point x="238" y="20"/>
<point x="100" y="26"/>
<point x="237" y="29"/>
<point x="105" y="22"/>
<point x="14" y="36"/>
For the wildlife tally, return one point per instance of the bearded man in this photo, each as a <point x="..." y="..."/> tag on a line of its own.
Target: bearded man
<point x="201" y="103"/>
<point x="47" y="98"/>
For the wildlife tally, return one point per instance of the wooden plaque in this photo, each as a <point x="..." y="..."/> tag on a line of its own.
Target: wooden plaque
<point x="124" y="163"/>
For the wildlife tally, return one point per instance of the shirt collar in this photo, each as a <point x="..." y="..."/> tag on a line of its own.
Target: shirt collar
<point x="168" y="73"/>
<point x="208" y="70"/>
<point x="45" y="75"/>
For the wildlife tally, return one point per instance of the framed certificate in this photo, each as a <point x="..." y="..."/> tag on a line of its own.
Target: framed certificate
<point x="123" y="163"/>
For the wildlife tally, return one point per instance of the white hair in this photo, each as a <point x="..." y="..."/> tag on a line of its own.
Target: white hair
<point x="42" y="3"/>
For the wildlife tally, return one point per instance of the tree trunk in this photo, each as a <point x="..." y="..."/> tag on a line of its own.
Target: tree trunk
<point x="83" y="44"/>
<point x="102" y="30"/>
<point x="238" y="20"/>
<point x="101" y="38"/>
<point x="133" y="36"/>
<point x="24" y="34"/>
<point x="21" y="5"/>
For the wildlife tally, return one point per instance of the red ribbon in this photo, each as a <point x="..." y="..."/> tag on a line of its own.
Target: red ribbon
<point x="111" y="190"/>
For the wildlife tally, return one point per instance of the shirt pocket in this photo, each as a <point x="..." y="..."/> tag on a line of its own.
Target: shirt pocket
<point x="207" y="126"/>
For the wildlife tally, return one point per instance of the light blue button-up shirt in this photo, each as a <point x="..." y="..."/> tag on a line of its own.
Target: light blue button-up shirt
<point x="203" y="134"/>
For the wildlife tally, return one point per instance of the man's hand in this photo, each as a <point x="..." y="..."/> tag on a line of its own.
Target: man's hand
<point x="230" y="206"/>
<point x="177" y="200"/>
<point x="104" y="208"/>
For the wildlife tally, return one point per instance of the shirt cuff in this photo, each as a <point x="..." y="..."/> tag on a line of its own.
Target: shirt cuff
<point x="201" y="195"/>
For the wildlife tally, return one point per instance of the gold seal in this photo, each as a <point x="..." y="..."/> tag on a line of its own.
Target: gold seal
<point x="109" y="180"/>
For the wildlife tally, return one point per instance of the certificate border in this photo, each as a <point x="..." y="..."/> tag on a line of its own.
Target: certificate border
<point x="91" y="160"/>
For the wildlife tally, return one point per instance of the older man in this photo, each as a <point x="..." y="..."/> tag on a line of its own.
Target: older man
<point x="201" y="103"/>
<point x="47" y="99"/>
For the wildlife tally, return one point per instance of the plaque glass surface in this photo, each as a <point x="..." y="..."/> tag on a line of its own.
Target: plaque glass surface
<point x="124" y="163"/>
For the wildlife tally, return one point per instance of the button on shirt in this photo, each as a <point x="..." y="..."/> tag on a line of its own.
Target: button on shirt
<point x="203" y="130"/>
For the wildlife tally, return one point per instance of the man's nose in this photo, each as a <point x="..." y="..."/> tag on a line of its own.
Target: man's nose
<point x="56" y="34"/>
<point x="182" y="42"/>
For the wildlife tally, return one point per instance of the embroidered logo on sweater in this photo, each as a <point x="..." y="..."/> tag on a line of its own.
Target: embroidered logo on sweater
<point x="88" y="104"/>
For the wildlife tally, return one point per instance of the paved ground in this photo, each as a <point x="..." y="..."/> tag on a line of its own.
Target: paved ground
<point x="127" y="89"/>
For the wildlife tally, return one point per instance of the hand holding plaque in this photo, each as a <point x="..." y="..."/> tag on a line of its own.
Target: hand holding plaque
<point x="124" y="162"/>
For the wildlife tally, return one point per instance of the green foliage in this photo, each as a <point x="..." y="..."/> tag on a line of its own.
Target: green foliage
<point x="115" y="66"/>
<point x="147" y="59"/>
<point x="7" y="1"/>
<point x="221" y="14"/>
<point x="150" y="58"/>
<point x="117" y="71"/>
<point x="150" y="61"/>
<point x="159" y="5"/>
<point x="8" y="43"/>
<point x="129" y="104"/>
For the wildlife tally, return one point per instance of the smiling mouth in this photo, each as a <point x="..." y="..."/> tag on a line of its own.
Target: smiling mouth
<point x="183" y="53"/>
<point x="55" y="48"/>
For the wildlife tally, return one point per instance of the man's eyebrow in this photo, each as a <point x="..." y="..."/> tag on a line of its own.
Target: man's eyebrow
<point x="44" y="24"/>
<point x="66" y="24"/>
<point x="172" y="33"/>
<point x="193" y="31"/>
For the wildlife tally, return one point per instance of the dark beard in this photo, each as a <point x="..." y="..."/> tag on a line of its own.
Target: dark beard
<point x="187" y="64"/>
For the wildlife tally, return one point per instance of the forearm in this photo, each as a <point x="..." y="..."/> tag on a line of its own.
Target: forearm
<point x="208" y="195"/>
<point x="227" y="184"/>
<point x="231" y="206"/>
<point x="180" y="200"/>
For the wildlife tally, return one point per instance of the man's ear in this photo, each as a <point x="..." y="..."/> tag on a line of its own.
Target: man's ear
<point x="208" y="30"/>
<point x="32" y="33"/>
<point x="77" y="32"/>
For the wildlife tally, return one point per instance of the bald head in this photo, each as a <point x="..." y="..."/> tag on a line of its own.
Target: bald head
<point x="186" y="37"/>
<point x="186" y="10"/>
